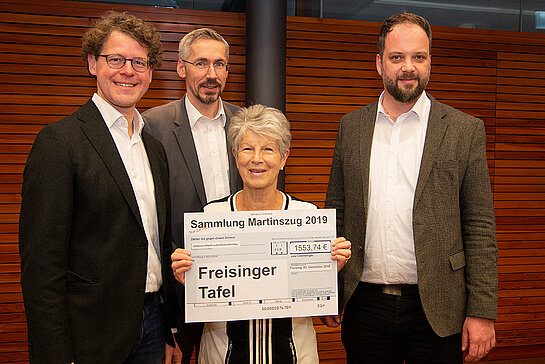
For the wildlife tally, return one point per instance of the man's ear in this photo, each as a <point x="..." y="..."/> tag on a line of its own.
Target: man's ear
<point x="378" y="64"/>
<point x="180" y="68"/>
<point x="92" y="64"/>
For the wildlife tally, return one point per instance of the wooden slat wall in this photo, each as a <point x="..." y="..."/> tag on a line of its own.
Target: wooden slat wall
<point x="43" y="79"/>
<point x="494" y="75"/>
<point x="519" y="194"/>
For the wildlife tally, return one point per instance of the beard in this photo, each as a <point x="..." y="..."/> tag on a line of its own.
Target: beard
<point x="209" y="97"/>
<point x="401" y="94"/>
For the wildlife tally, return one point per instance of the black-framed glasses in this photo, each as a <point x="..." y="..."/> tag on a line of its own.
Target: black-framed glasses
<point x="117" y="61"/>
<point x="219" y="66"/>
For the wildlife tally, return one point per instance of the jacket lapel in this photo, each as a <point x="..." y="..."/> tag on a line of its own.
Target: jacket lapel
<point x="437" y="128"/>
<point x="99" y="136"/>
<point x="235" y="183"/>
<point x="156" y="163"/>
<point x="366" y="139"/>
<point x="184" y="136"/>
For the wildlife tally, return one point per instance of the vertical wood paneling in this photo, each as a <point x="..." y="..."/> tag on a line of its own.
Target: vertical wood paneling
<point x="494" y="75"/>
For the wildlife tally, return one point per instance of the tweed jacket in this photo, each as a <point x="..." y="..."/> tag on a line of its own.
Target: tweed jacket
<point x="453" y="214"/>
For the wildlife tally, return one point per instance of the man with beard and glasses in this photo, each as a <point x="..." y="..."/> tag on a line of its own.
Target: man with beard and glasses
<point x="409" y="180"/>
<point x="192" y="130"/>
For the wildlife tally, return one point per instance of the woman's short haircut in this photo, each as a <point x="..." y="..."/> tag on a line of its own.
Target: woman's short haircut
<point x="262" y="120"/>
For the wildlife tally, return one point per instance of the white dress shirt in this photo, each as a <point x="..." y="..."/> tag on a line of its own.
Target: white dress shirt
<point x="211" y="146"/>
<point x="396" y="153"/>
<point x="135" y="160"/>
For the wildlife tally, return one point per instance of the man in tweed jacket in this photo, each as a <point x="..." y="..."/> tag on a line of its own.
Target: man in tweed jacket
<point x="410" y="184"/>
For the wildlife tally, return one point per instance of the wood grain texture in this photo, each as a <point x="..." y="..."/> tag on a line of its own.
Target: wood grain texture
<point x="497" y="76"/>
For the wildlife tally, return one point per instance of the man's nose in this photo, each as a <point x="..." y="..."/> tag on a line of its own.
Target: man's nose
<point x="211" y="72"/>
<point x="127" y="68"/>
<point x="408" y="65"/>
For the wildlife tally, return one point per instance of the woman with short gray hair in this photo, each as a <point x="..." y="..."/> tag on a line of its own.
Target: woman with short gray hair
<point x="262" y="120"/>
<point x="260" y="140"/>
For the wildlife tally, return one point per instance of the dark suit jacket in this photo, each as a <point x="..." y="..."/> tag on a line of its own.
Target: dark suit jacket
<point x="82" y="243"/>
<point x="453" y="214"/>
<point x="170" y="125"/>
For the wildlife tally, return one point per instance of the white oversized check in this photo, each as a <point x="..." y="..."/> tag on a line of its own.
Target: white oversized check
<point x="262" y="264"/>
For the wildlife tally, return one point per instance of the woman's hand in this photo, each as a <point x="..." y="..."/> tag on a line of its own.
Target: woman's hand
<point x="181" y="263"/>
<point x="341" y="252"/>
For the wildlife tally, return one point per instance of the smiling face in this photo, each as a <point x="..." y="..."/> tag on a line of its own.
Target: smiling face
<point x="123" y="87"/>
<point x="259" y="160"/>
<point x="406" y="63"/>
<point x="204" y="86"/>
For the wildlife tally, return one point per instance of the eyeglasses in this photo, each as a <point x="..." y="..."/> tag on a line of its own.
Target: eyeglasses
<point x="117" y="61"/>
<point x="219" y="66"/>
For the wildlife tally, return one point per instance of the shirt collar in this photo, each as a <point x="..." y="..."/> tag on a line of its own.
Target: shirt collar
<point x="419" y="108"/>
<point x="194" y="115"/>
<point x="111" y="115"/>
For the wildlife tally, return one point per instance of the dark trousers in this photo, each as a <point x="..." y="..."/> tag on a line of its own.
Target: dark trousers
<point x="149" y="346"/>
<point x="188" y="338"/>
<point x="379" y="328"/>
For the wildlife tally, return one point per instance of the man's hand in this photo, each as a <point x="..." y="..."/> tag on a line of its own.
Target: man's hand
<point x="478" y="337"/>
<point x="340" y="251"/>
<point x="331" y="321"/>
<point x="172" y="355"/>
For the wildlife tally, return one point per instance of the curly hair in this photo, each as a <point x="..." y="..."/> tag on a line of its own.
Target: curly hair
<point x="396" y="19"/>
<point x="144" y="33"/>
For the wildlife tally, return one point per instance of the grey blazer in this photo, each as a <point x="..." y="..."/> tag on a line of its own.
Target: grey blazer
<point x="170" y="125"/>
<point x="453" y="214"/>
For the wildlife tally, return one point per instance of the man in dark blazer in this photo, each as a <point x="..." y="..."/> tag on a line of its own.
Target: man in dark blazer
<point x="95" y="215"/>
<point x="410" y="184"/>
<point x="193" y="132"/>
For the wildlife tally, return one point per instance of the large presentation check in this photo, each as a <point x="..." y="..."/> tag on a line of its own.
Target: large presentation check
<point x="263" y="264"/>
